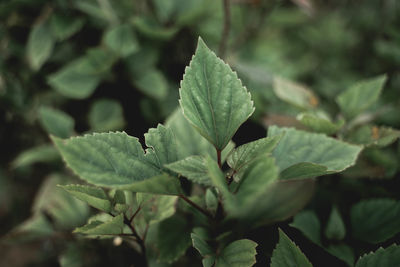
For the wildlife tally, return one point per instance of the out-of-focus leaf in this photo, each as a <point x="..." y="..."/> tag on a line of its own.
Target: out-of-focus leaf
<point x="238" y="253"/>
<point x="308" y="223"/>
<point x="294" y="94"/>
<point x="71" y="257"/>
<point x="153" y="84"/>
<point x="374" y="136"/>
<point x="121" y="40"/>
<point x="375" y="220"/>
<point x="335" y="228"/>
<point x="152" y="29"/>
<point x="106" y="115"/>
<point x="320" y="125"/>
<point x="215" y="106"/>
<point x="63" y="27"/>
<point x="343" y="252"/>
<point x="56" y="122"/>
<point x="360" y="96"/>
<point x="287" y="254"/>
<point x="40" y="45"/>
<point x="39" y="154"/>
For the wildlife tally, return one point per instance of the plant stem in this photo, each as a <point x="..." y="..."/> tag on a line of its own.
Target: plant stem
<point x="225" y="30"/>
<point x="196" y="206"/>
<point x="139" y="240"/>
<point x="219" y="158"/>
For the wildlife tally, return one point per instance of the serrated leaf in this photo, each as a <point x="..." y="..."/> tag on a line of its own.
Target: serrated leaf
<point x="95" y="197"/>
<point x="294" y="94"/>
<point x="368" y="135"/>
<point x="121" y="40"/>
<point x="244" y="154"/>
<point x="389" y="256"/>
<point x="308" y="223"/>
<point x="194" y="168"/>
<point x="172" y="244"/>
<point x="63" y="27"/>
<point x="40" y="45"/>
<point x="240" y="253"/>
<point x="189" y="141"/>
<point x="156" y="208"/>
<point x="39" y="154"/>
<point x="56" y="122"/>
<point x="320" y="125"/>
<point x="375" y="220"/>
<point x="361" y="96"/>
<point x="117" y="160"/>
<point x="106" y="115"/>
<point x="113" y="226"/>
<point x="288" y="254"/>
<point x="212" y="97"/>
<point x="335" y="228"/>
<point x="152" y="83"/>
<point x="298" y="146"/>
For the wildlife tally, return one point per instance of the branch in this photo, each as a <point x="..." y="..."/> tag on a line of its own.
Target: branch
<point x="196" y="206"/>
<point x="225" y="31"/>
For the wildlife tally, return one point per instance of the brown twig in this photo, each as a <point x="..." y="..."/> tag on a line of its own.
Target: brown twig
<point x="196" y="206"/>
<point x="219" y="158"/>
<point x="225" y="30"/>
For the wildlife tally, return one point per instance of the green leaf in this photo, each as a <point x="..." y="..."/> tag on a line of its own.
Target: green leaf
<point x="211" y="200"/>
<point x="114" y="226"/>
<point x="117" y="160"/>
<point x="288" y="254"/>
<point x="212" y="97"/>
<point x="343" y="252"/>
<point x="389" y="256"/>
<point x="241" y="156"/>
<point x="299" y="146"/>
<point x="63" y="27"/>
<point x="121" y="40"/>
<point x="240" y="253"/>
<point x="152" y="83"/>
<point x="335" y="228"/>
<point x="38" y="154"/>
<point x="368" y="135"/>
<point x="194" y="168"/>
<point x="361" y="96"/>
<point x="294" y="94"/>
<point x="303" y="170"/>
<point x="40" y="45"/>
<point x="200" y="240"/>
<point x="217" y="178"/>
<point x="150" y="28"/>
<point x="95" y="197"/>
<point x="156" y="208"/>
<point x="320" y="125"/>
<point x="172" y="244"/>
<point x="189" y="141"/>
<point x="56" y="122"/>
<point x="72" y="256"/>
<point x="106" y="115"/>
<point x="308" y="223"/>
<point x="375" y="220"/>
<point x="33" y="228"/>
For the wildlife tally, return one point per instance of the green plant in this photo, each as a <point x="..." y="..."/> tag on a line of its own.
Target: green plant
<point x="179" y="188"/>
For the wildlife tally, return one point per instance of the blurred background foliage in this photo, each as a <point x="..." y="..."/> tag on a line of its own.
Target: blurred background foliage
<point x="71" y="67"/>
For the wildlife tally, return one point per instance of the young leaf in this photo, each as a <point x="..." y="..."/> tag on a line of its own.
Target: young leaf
<point x="95" y="197"/>
<point x="335" y="229"/>
<point x="287" y="254"/>
<point x="308" y="223"/>
<point x="106" y="115"/>
<point x="118" y="160"/>
<point x="389" y="256"/>
<point x="56" y="122"/>
<point x="299" y="146"/>
<point x="375" y="220"/>
<point x="303" y="170"/>
<point x="194" y="168"/>
<point x="294" y="94"/>
<point x="212" y="97"/>
<point x="114" y="226"/>
<point x="40" y="45"/>
<point x="121" y="40"/>
<point x="360" y="96"/>
<point x="238" y="253"/>
<point x="244" y="154"/>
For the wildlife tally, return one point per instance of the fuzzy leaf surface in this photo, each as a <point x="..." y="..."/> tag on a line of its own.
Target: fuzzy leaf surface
<point x="287" y="254"/>
<point x="95" y="197"/>
<point x="375" y="220"/>
<point x="361" y="96"/>
<point x="212" y="97"/>
<point x="298" y="146"/>
<point x="114" y="226"/>
<point x="194" y="168"/>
